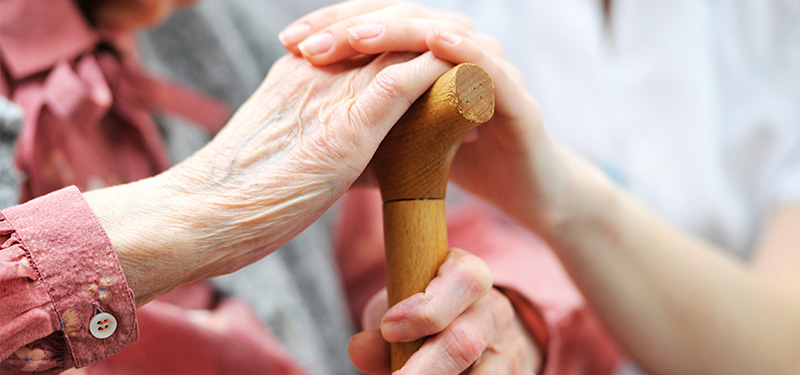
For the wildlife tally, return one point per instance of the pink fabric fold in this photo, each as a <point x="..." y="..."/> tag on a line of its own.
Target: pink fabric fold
<point x="35" y="35"/>
<point x="57" y="270"/>
<point x="87" y="106"/>
<point x="187" y="336"/>
<point x="554" y="311"/>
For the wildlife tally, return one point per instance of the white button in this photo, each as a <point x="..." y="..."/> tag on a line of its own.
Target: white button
<point x="103" y="325"/>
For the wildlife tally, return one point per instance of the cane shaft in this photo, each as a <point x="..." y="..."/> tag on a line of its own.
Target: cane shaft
<point x="416" y="245"/>
<point x="412" y="165"/>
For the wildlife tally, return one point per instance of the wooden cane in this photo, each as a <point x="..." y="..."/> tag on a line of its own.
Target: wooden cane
<point x="412" y="164"/>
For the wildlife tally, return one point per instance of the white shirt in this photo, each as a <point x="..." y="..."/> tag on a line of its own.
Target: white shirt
<point x="693" y="106"/>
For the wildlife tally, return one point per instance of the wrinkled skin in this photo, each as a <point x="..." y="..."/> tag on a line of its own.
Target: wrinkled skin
<point x="510" y="161"/>
<point x="474" y="332"/>
<point x="296" y="146"/>
<point x="473" y="327"/>
<point x="289" y="152"/>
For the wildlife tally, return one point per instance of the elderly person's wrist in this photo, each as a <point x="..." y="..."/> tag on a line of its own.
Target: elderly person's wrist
<point x="152" y="227"/>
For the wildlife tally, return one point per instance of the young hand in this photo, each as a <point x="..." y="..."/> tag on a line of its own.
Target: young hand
<point x="512" y="162"/>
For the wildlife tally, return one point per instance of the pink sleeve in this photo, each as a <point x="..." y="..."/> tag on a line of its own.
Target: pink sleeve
<point x="523" y="267"/>
<point x="527" y="271"/>
<point x="58" y="271"/>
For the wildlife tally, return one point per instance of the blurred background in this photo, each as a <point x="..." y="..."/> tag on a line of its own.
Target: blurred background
<point x="675" y="100"/>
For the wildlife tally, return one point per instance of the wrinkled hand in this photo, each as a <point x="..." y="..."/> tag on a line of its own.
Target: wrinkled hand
<point x="512" y="163"/>
<point x="293" y="149"/>
<point x="473" y="327"/>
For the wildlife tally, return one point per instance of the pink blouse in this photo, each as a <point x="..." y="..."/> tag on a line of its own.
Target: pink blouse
<point x="64" y="300"/>
<point x="58" y="272"/>
<point x="523" y="267"/>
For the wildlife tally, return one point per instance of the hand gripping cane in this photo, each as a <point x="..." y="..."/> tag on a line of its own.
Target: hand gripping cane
<point x="412" y="164"/>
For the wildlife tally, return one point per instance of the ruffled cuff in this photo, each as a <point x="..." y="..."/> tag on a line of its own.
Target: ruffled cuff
<point x="63" y="288"/>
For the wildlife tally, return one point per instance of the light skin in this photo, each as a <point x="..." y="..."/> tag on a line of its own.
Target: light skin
<point x="476" y="333"/>
<point x="284" y="158"/>
<point x="298" y="143"/>
<point x="288" y="153"/>
<point x="676" y="304"/>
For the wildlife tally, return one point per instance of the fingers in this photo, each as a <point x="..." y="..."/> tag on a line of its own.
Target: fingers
<point x="486" y="338"/>
<point x="391" y="93"/>
<point x="462" y="280"/>
<point x="324" y="33"/>
<point x="510" y="97"/>
<point x="411" y="29"/>
<point x="370" y="352"/>
<point x="331" y="43"/>
<point x="377" y="32"/>
<point x="455" y="349"/>
<point x="470" y="326"/>
<point x="299" y="30"/>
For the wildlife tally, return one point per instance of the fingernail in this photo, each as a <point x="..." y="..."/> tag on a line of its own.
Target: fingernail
<point x="393" y="331"/>
<point x="317" y="44"/>
<point x="294" y="34"/>
<point x="366" y="31"/>
<point x="447" y="37"/>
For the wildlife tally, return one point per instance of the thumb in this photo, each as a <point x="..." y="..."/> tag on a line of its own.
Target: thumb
<point x="369" y="352"/>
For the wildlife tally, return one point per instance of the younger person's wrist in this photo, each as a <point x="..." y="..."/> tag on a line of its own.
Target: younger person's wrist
<point x="588" y="200"/>
<point x="570" y="196"/>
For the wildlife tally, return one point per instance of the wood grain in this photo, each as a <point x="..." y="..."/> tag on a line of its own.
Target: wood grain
<point x="414" y="159"/>
<point x="412" y="165"/>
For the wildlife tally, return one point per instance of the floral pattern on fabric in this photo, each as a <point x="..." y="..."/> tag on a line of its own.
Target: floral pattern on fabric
<point x="101" y="290"/>
<point x="32" y="358"/>
<point x="45" y="311"/>
<point x="70" y="322"/>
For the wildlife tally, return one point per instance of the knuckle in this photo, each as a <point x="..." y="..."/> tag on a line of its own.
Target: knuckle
<point x="390" y="85"/>
<point x="407" y="9"/>
<point x="430" y="320"/>
<point x="491" y="45"/>
<point x="464" y="345"/>
<point x="475" y="273"/>
<point x="463" y="19"/>
<point x="378" y="3"/>
<point x="325" y="16"/>
<point x="455" y="27"/>
<point x="494" y="44"/>
<point x="503" y="311"/>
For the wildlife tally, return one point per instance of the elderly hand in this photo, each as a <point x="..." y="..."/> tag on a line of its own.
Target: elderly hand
<point x="512" y="162"/>
<point x="284" y="158"/>
<point x="473" y="328"/>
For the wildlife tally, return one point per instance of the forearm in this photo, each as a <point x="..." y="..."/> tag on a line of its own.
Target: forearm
<point x="675" y="303"/>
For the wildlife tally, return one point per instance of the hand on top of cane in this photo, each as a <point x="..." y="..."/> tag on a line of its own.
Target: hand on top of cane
<point x="496" y="161"/>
